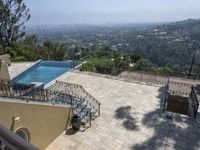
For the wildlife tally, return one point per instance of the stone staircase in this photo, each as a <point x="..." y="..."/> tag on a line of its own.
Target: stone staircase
<point x="85" y="105"/>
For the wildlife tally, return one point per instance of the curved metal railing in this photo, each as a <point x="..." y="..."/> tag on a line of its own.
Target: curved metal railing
<point x="76" y="91"/>
<point x="11" y="141"/>
<point x="179" y="88"/>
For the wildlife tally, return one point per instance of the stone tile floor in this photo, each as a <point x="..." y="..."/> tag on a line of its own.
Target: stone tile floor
<point x="17" y="68"/>
<point x="131" y="118"/>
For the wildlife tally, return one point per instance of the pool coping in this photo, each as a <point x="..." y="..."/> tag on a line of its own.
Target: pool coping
<point x="54" y="80"/>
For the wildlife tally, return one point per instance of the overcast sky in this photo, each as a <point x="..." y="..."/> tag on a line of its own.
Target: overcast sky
<point x="54" y="12"/>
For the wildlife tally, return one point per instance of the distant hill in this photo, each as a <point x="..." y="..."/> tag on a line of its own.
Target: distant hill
<point x="170" y="44"/>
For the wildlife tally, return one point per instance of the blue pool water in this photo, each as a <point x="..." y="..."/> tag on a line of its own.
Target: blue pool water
<point x="44" y="72"/>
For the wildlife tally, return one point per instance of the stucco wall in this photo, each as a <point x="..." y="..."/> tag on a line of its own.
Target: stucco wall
<point x="4" y="74"/>
<point x="45" y="122"/>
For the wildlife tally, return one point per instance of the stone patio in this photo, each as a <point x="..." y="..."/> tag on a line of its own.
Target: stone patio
<point x="17" y="68"/>
<point x="131" y="118"/>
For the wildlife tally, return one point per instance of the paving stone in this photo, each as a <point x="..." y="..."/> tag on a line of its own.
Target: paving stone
<point x="144" y="125"/>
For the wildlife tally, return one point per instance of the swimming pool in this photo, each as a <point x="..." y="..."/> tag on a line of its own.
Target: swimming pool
<point x="44" y="71"/>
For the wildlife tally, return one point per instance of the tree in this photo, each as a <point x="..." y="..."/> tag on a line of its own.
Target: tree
<point x="104" y="54"/>
<point x="30" y="40"/>
<point x="135" y="58"/>
<point x="54" y="51"/>
<point x="144" y="65"/>
<point x="13" y="15"/>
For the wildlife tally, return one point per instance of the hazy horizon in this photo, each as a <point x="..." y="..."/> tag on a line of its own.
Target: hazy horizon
<point x="111" y="12"/>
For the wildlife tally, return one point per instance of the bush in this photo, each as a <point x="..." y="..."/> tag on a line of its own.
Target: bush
<point x="135" y="58"/>
<point x="104" y="54"/>
<point x="88" y="66"/>
<point x="104" y="66"/>
<point x="165" y="71"/>
<point x="19" y="59"/>
<point x="144" y="65"/>
<point x="11" y="51"/>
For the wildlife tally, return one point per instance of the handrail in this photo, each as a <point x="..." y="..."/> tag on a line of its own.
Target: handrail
<point x="179" y="88"/>
<point x="166" y="95"/>
<point x="77" y="91"/>
<point x="9" y="140"/>
<point x="194" y="102"/>
<point x="59" y="88"/>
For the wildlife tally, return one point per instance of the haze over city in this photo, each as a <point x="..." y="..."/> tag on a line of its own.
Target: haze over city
<point x="112" y="11"/>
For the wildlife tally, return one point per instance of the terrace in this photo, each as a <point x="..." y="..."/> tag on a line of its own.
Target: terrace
<point x="132" y="115"/>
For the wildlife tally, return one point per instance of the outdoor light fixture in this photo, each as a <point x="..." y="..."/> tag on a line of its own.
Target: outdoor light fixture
<point x="16" y="119"/>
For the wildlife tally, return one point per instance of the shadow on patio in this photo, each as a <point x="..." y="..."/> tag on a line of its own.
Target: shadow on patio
<point x="126" y="115"/>
<point x="70" y="131"/>
<point x="169" y="132"/>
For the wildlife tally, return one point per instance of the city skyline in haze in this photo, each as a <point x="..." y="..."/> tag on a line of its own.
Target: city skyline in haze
<point x="57" y="12"/>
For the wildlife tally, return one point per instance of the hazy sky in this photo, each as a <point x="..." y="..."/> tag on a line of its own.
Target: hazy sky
<point x="111" y="11"/>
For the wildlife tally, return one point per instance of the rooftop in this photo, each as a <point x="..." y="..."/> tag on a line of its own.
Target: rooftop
<point x="132" y="117"/>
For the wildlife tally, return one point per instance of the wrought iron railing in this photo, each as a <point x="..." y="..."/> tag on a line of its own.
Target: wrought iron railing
<point x="58" y="90"/>
<point x="5" y="88"/>
<point x="138" y="77"/>
<point x="78" y="91"/>
<point x="193" y="103"/>
<point x="166" y="95"/>
<point x="11" y="141"/>
<point x="58" y="93"/>
<point x="20" y="89"/>
<point x="179" y="88"/>
<point x="185" y="90"/>
<point x="151" y="79"/>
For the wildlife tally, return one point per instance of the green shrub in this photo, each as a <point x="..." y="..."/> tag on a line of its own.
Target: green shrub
<point x="165" y="71"/>
<point x="135" y="58"/>
<point x="11" y="51"/>
<point x="144" y="65"/>
<point x="88" y="66"/>
<point x="19" y="59"/>
<point x="104" y="66"/>
<point x="104" y="54"/>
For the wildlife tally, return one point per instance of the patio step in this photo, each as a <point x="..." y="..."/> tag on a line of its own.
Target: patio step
<point x="84" y="104"/>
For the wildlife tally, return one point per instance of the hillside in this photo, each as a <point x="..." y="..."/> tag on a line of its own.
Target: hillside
<point x="169" y="44"/>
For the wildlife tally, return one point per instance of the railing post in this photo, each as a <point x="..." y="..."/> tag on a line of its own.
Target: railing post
<point x="99" y="109"/>
<point x="71" y="101"/>
<point x="90" y="119"/>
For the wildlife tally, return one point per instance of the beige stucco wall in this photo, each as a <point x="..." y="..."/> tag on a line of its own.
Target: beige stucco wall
<point x="6" y="58"/>
<point x="45" y="122"/>
<point x="4" y="73"/>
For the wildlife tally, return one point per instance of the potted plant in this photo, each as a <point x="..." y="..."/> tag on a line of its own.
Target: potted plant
<point x="76" y="122"/>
